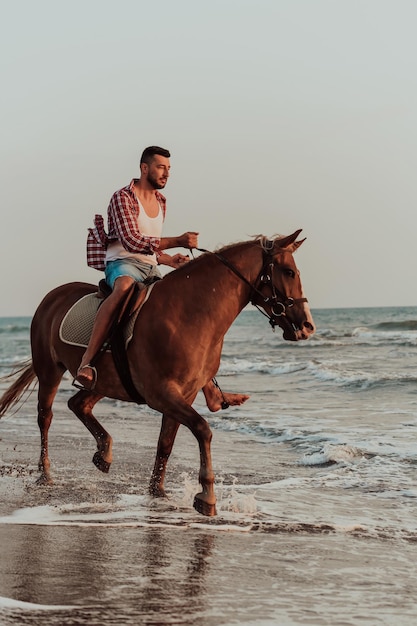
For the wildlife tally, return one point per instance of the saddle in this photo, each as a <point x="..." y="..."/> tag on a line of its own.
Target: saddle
<point x="129" y="308"/>
<point x="78" y="322"/>
<point x="135" y="298"/>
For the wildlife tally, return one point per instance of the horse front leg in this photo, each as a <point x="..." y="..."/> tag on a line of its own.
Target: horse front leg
<point x="82" y="404"/>
<point x="174" y="408"/>
<point x="205" y="501"/>
<point x="169" y="429"/>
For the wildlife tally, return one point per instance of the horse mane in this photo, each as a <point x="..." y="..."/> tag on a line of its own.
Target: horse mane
<point x="263" y="240"/>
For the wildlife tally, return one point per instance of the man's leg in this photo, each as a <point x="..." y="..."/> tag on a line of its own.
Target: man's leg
<point x="102" y="324"/>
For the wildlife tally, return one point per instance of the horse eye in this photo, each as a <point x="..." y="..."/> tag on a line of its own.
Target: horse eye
<point x="290" y="273"/>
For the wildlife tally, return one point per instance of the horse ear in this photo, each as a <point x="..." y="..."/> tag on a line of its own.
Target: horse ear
<point x="297" y="244"/>
<point x="285" y="242"/>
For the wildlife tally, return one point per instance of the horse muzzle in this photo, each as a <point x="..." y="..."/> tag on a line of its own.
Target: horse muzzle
<point x="305" y="331"/>
<point x="296" y="332"/>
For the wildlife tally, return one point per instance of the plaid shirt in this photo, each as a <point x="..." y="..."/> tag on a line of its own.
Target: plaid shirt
<point x="122" y="215"/>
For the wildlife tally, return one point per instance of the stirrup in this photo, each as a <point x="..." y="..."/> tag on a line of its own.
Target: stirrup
<point x="224" y="405"/>
<point x="79" y="385"/>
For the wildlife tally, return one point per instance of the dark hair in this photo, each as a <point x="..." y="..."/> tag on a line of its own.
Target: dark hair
<point x="149" y="153"/>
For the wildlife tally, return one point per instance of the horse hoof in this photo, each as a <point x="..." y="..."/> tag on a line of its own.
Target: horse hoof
<point x="44" y="480"/>
<point x="100" y="463"/>
<point x="157" y="492"/>
<point x="203" y="507"/>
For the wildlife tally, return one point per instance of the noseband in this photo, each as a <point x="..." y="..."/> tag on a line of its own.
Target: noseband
<point x="277" y="301"/>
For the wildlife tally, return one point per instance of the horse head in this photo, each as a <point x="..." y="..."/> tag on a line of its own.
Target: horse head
<point x="278" y="289"/>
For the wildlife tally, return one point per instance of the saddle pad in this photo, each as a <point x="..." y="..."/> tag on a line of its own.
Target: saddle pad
<point x="78" y="322"/>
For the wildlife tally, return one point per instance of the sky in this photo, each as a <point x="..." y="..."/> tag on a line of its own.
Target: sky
<point x="279" y="115"/>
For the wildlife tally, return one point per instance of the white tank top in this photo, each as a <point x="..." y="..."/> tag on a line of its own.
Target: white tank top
<point x="150" y="226"/>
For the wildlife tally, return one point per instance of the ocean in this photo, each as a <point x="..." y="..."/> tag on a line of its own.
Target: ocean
<point x="316" y="479"/>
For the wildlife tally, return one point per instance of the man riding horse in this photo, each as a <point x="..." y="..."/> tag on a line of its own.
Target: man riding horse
<point x="130" y="253"/>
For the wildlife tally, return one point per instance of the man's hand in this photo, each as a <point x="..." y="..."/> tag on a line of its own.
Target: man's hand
<point x="176" y="260"/>
<point x="179" y="259"/>
<point x="188" y="240"/>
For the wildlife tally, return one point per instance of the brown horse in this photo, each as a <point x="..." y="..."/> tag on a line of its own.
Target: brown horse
<point x="175" y="349"/>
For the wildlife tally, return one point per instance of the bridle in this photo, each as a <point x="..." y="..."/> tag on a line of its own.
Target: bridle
<point x="278" y="303"/>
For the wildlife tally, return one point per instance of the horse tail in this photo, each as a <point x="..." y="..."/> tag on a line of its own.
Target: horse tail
<point x="16" y="390"/>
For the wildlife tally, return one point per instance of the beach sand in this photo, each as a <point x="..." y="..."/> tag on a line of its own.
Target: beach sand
<point x="95" y="549"/>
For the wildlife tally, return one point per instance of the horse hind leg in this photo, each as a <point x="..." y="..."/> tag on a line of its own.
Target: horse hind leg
<point x="46" y="395"/>
<point x="82" y="405"/>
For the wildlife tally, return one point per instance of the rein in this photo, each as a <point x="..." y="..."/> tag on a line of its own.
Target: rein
<point x="278" y="302"/>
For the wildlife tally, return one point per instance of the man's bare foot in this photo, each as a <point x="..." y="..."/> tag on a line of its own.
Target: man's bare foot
<point x="215" y="399"/>
<point x="86" y="377"/>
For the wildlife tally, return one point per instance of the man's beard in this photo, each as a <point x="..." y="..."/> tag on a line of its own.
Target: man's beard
<point x="154" y="183"/>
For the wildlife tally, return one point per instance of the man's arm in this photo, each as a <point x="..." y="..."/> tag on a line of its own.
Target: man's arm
<point x="124" y="218"/>
<point x="187" y="240"/>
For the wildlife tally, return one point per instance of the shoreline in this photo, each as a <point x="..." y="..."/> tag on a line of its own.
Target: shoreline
<point x="101" y="546"/>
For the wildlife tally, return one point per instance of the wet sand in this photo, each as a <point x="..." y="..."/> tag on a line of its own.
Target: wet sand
<point x="95" y="549"/>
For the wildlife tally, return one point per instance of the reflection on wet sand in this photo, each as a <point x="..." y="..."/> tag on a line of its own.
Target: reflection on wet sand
<point x="164" y="582"/>
<point x="148" y="572"/>
<point x="157" y="574"/>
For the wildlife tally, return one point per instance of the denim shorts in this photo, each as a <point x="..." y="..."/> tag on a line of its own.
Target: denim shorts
<point x="137" y="270"/>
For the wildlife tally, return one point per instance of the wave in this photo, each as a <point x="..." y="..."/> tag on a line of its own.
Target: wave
<point x="12" y="361"/>
<point x="363" y="335"/>
<point x="403" y="325"/>
<point x="335" y="372"/>
<point x="13" y="328"/>
<point x="9" y="603"/>
<point x="332" y="454"/>
<point x="330" y="371"/>
<point x="248" y="366"/>
<point x="237" y="513"/>
<point x="267" y="431"/>
<point x="386" y="337"/>
<point x="232" y="517"/>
